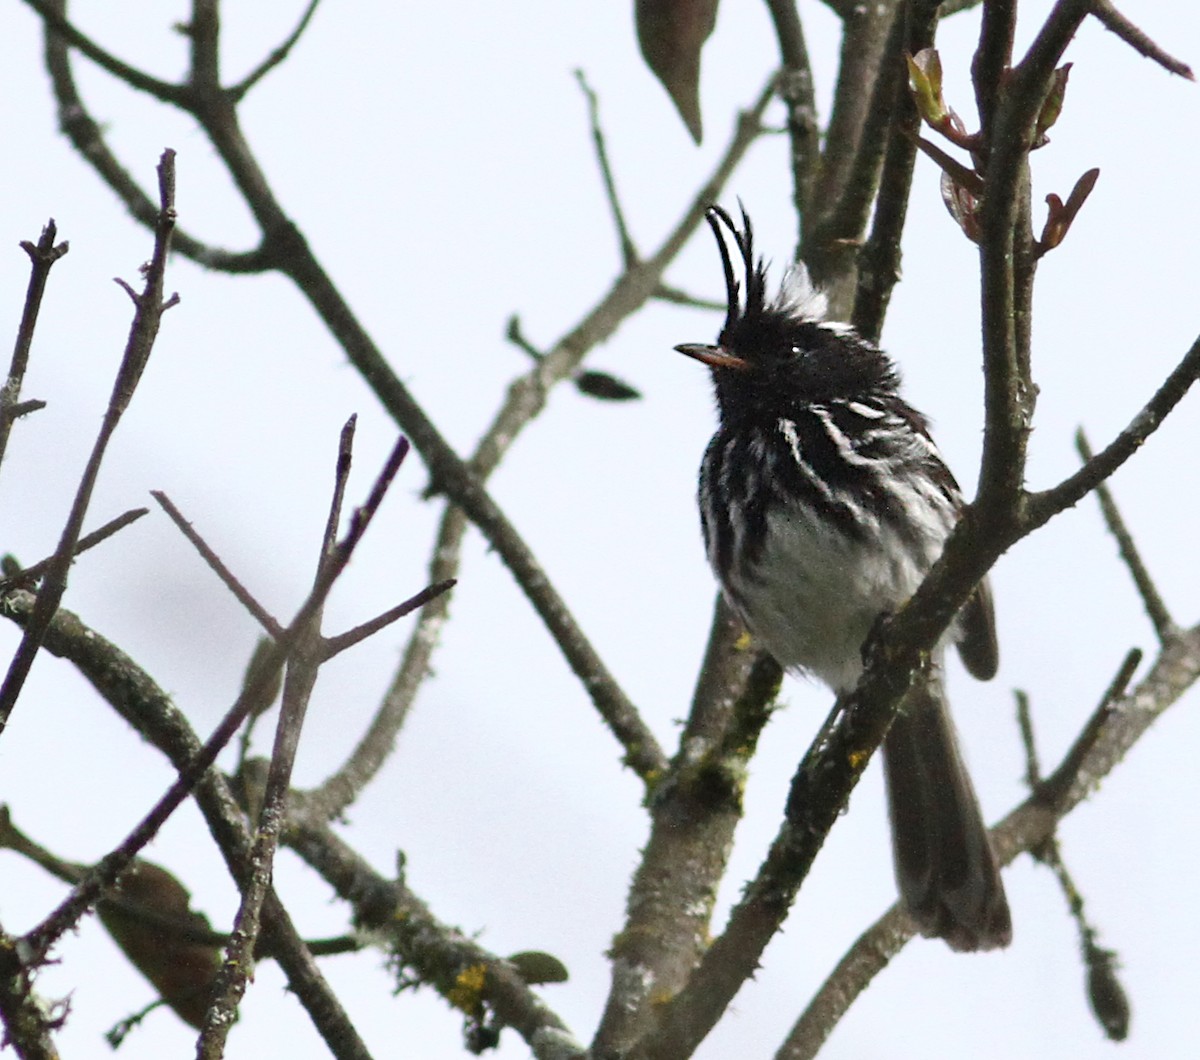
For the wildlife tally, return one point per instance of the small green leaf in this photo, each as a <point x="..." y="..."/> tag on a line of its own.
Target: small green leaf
<point x="925" y="78"/>
<point x="1053" y="106"/>
<point x="536" y="967"/>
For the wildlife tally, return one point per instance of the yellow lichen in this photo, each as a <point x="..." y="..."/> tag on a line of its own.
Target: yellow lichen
<point x="467" y="992"/>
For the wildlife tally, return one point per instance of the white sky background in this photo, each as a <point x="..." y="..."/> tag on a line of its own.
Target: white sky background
<point x="439" y="161"/>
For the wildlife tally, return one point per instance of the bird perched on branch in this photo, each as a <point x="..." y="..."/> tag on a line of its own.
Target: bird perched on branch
<point x="824" y="503"/>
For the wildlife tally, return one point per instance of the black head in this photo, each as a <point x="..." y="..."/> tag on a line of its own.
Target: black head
<point x="779" y="352"/>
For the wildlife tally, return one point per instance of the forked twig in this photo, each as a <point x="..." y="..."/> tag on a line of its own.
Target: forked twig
<point x="149" y="308"/>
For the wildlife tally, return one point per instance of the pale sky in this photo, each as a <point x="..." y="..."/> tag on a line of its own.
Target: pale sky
<point x="439" y="161"/>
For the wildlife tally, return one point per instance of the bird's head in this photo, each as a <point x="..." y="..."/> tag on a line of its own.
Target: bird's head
<point x="772" y="354"/>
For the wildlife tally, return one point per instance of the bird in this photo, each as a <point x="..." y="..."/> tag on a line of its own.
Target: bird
<point x="823" y="504"/>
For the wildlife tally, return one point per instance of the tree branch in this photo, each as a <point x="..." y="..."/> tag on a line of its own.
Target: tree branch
<point x="526" y="398"/>
<point x="1115" y="22"/>
<point x="1122" y="723"/>
<point x="42" y="257"/>
<point x="151" y="713"/>
<point x="1152" y="600"/>
<point x="149" y="308"/>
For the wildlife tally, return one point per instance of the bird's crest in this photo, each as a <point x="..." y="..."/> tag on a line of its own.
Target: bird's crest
<point x="797" y="297"/>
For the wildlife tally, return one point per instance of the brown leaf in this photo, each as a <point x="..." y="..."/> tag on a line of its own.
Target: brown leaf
<point x="154" y="937"/>
<point x="671" y="34"/>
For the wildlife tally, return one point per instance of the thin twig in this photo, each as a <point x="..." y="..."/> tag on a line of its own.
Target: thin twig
<point x="526" y="398"/>
<point x="666" y="293"/>
<point x="341" y="477"/>
<point x="629" y="254"/>
<point x="236" y="92"/>
<point x="88" y="138"/>
<point x="22" y="408"/>
<point x="845" y="180"/>
<point x="51" y="12"/>
<point x="1153" y="602"/>
<point x="335" y="645"/>
<point x="516" y="336"/>
<point x="832" y="244"/>
<point x="474" y="980"/>
<point x="28" y="576"/>
<point x="1136" y="38"/>
<point x="152" y="714"/>
<point x="993" y="56"/>
<point x="879" y="259"/>
<point x="42" y="256"/>
<point x="304" y="662"/>
<point x="108" y="869"/>
<point x="215" y="563"/>
<point x="1055" y="789"/>
<point x="1126" y="718"/>
<point x="1007" y="255"/>
<point x="1107" y="996"/>
<point x="150" y="306"/>
<point x="1033" y="768"/>
<point x="1040" y="507"/>
<point x="796" y="91"/>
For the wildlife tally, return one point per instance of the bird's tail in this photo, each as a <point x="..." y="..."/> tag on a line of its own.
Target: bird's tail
<point x="947" y="873"/>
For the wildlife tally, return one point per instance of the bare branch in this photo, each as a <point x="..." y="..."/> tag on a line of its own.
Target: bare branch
<point x="666" y="293"/>
<point x="304" y="662"/>
<point x="845" y="183"/>
<point x="879" y="259"/>
<point x="236" y="92"/>
<point x="526" y="398"/>
<point x="51" y="12"/>
<point x="1152" y="600"/>
<point x="1007" y="252"/>
<point x="146" y="319"/>
<point x="1117" y="725"/>
<point x="473" y="980"/>
<point x="215" y="563"/>
<point x="150" y="711"/>
<point x="695" y="809"/>
<point x="1044" y="505"/>
<point x="341" y="477"/>
<point x="42" y="256"/>
<point x="28" y="576"/>
<point x="796" y="90"/>
<point x="629" y="254"/>
<point x="335" y="645"/>
<point x="1115" y="22"/>
<point x="86" y="135"/>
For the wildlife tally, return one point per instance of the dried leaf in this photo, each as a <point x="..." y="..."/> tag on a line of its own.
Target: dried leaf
<point x="255" y="671"/>
<point x="181" y="970"/>
<point x="963" y="206"/>
<point x="605" y="387"/>
<point x="671" y="34"/>
<point x="1106" y="995"/>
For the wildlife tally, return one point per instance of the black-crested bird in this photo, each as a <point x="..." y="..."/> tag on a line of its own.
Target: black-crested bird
<point x="824" y="503"/>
